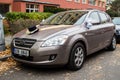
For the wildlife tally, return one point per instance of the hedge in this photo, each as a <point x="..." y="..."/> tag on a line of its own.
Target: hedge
<point x="13" y="16"/>
<point x="18" y="21"/>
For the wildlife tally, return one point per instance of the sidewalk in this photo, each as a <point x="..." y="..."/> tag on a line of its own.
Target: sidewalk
<point x="8" y="40"/>
<point x="6" y="54"/>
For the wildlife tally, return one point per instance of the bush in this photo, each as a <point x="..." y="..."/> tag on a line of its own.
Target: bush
<point x="13" y="16"/>
<point x="112" y="13"/>
<point x="21" y="24"/>
<point x="18" y="20"/>
<point x="6" y="27"/>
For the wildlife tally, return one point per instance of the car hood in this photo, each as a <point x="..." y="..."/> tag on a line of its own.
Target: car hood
<point x="117" y="27"/>
<point x="45" y="32"/>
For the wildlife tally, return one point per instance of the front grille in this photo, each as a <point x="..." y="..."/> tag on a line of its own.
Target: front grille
<point x="23" y="42"/>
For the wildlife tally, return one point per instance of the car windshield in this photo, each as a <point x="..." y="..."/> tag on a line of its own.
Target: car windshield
<point x="65" y="18"/>
<point x="116" y="21"/>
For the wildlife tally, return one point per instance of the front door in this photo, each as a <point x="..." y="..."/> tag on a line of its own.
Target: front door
<point x="93" y="34"/>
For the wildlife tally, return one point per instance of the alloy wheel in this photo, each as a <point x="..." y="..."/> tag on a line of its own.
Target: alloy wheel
<point x="79" y="56"/>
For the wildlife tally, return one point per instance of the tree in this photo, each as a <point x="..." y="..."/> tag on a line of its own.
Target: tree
<point x="114" y="11"/>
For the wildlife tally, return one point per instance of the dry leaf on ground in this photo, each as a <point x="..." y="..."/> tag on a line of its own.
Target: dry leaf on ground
<point x="9" y="63"/>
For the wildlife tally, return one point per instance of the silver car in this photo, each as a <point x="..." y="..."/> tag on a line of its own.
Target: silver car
<point x="65" y="38"/>
<point x="116" y="21"/>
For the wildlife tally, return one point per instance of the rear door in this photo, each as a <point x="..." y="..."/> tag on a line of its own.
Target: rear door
<point x="108" y="29"/>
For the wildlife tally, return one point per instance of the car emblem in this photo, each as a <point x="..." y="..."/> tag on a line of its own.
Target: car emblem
<point x="22" y="42"/>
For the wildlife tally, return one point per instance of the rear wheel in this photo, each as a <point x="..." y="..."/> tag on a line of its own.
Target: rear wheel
<point x="112" y="46"/>
<point x="77" y="57"/>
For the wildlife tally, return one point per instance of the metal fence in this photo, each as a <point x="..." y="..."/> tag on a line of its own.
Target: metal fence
<point x="2" y="39"/>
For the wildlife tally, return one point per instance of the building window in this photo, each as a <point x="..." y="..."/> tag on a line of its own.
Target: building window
<point x="68" y="0"/>
<point x="92" y="2"/>
<point x="99" y="3"/>
<point x="32" y="7"/>
<point x="103" y="4"/>
<point x="77" y="1"/>
<point x="83" y="1"/>
<point x="4" y="8"/>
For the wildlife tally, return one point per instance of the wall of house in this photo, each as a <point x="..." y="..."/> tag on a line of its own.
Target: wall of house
<point x="6" y="1"/>
<point x="21" y="7"/>
<point x="75" y="5"/>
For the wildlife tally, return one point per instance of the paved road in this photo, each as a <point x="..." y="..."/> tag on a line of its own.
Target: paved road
<point x="103" y="65"/>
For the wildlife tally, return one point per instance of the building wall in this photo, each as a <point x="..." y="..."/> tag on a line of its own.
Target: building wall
<point x="6" y="1"/>
<point x="19" y="7"/>
<point x="75" y="5"/>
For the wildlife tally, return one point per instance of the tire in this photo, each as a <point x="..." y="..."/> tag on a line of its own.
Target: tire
<point x="77" y="57"/>
<point x="112" y="46"/>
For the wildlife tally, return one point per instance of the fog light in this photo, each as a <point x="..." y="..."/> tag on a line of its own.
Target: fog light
<point x="52" y="57"/>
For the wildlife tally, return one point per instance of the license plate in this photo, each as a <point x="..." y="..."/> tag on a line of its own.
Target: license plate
<point x="21" y="52"/>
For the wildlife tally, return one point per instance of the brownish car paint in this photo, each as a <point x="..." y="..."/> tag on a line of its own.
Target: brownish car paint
<point x="95" y="38"/>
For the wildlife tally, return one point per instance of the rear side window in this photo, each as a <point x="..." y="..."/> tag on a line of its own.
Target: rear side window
<point x="103" y="17"/>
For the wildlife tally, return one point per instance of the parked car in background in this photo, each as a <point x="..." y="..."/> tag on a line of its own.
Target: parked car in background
<point x="116" y="21"/>
<point x="65" y="38"/>
<point x="2" y="39"/>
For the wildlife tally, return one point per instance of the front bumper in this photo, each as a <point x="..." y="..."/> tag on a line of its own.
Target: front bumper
<point x="42" y="55"/>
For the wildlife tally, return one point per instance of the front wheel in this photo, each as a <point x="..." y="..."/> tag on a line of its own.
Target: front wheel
<point x="112" y="46"/>
<point x="77" y="57"/>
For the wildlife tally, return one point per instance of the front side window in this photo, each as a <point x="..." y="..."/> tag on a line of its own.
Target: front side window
<point x="32" y="7"/>
<point x="64" y="18"/>
<point x="94" y="16"/>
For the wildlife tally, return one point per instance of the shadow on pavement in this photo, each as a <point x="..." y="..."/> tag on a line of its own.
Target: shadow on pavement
<point x="55" y="69"/>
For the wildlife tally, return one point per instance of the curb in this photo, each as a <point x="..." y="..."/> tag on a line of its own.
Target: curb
<point x="4" y="58"/>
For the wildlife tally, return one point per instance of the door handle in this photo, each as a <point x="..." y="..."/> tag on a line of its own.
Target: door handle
<point x="89" y="34"/>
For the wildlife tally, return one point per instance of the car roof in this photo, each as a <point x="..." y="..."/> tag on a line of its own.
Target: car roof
<point x="115" y="17"/>
<point x="82" y="10"/>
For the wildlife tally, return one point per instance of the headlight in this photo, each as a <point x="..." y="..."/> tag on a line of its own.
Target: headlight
<point x="58" y="40"/>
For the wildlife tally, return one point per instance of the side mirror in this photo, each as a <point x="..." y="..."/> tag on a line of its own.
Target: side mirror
<point x="88" y="25"/>
<point x="41" y="23"/>
<point x="43" y="20"/>
<point x="90" y="22"/>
